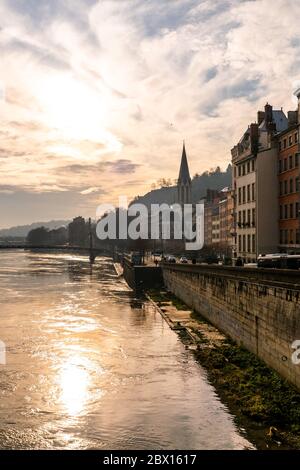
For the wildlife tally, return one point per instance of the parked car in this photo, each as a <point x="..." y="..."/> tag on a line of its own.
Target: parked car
<point x="279" y="261"/>
<point x="184" y="260"/>
<point x="171" y="259"/>
<point x="136" y="258"/>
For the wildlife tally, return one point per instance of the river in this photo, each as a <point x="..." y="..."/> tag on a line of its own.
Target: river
<point x="89" y="366"/>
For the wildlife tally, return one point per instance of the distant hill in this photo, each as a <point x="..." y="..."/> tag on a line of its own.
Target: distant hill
<point x="213" y="179"/>
<point x="23" y="230"/>
<point x="158" y="196"/>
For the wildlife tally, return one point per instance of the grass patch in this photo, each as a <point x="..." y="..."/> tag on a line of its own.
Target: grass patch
<point x="259" y="392"/>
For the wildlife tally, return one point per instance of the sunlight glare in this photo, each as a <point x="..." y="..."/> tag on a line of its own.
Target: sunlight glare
<point x="74" y="382"/>
<point x="76" y="111"/>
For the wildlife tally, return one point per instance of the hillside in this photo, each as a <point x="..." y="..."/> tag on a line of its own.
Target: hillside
<point x="23" y="230"/>
<point x="214" y="179"/>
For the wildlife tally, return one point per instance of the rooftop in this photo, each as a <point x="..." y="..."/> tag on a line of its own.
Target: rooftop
<point x="280" y="120"/>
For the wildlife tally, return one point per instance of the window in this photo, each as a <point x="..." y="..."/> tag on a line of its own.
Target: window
<point x="240" y="195"/>
<point x="290" y="140"/>
<point x="285" y="164"/>
<point x="248" y="193"/>
<point x="240" y="243"/>
<point x="298" y="237"/>
<point x="280" y="188"/>
<point x="253" y="217"/>
<point x="285" y="187"/>
<point x="243" y="170"/>
<point x="291" y="240"/>
<point x="297" y="209"/>
<point x="296" y="160"/>
<point x="280" y="166"/>
<point x="249" y="243"/>
<point x="286" y="237"/>
<point x="290" y="162"/>
<point x="280" y="212"/>
<point x="253" y="244"/>
<point x="244" y="194"/>
<point x="249" y="217"/>
<point x="291" y="185"/>
<point x="244" y="243"/>
<point x="239" y="170"/>
<point x="284" y="143"/>
<point x="285" y="211"/>
<point x="281" y="237"/>
<point x="297" y="184"/>
<point x="253" y="165"/>
<point x="291" y="211"/>
<point x="248" y="167"/>
<point x="244" y="217"/>
<point x="253" y="191"/>
<point x="296" y="137"/>
<point x="280" y="146"/>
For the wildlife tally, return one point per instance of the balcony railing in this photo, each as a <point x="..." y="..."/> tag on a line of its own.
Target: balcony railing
<point x="245" y="224"/>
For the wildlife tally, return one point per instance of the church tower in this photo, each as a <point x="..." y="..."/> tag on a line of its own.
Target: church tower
<point x="184" y="185"/>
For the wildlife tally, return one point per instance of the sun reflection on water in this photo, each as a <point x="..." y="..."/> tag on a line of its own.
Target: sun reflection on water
<point x="74" y="383"/>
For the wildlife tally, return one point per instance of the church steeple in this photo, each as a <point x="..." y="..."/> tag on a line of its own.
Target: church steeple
<point x="184" y="174"/>
<point x="184" y="184"/>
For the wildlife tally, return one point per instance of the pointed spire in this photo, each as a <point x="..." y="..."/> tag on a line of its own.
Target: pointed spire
<point x="184" y="174"/>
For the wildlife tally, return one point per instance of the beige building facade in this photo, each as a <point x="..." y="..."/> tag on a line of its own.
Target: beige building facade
<point x="254" y="161"/>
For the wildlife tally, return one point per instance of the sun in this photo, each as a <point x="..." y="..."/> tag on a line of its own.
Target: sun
<point x="75" y="110"/>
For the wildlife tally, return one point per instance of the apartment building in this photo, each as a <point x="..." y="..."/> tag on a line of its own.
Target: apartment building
<point x="254" y="161"/>
<point x="226" y="218"/>
<point x="211" y="202"/>
<point x="215" y="225"/>
<point x="289" y="185"/>
<point x="218" y="221"/>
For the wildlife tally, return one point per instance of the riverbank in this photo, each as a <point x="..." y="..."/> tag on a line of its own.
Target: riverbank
<point x="264" y="404"/>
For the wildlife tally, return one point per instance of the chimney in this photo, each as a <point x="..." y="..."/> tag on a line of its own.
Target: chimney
<point x="271" y="132"/>
<point x="268" y="113"/>
<point x="254" y="133"/>
<point x="292" y="118"/>
<point x="260" y="117"/>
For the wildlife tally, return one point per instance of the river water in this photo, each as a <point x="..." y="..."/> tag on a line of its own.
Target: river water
<point x="89" y="366"/>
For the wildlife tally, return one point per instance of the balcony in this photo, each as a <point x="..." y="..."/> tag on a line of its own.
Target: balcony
<point x="245" y="224"/>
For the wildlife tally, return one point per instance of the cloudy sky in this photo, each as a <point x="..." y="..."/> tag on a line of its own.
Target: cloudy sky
<point x="97" y="96"/>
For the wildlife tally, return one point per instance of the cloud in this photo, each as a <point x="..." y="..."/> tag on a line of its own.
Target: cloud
<point x="122" y="166"/>
<point x="100" y="94"/>
<point x="118" y="166"/>
<point x="91" y="191"/>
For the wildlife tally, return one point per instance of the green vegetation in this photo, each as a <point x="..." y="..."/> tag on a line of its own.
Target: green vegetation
<point x="256" y="393"/>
